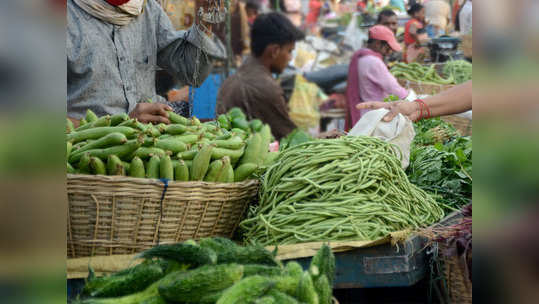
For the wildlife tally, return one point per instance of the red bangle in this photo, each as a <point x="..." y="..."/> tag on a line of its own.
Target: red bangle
<point x="422" y="105"/>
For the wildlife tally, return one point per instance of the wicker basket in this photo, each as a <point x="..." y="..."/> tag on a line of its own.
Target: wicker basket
<point x="110" y="215"/>
<point x="463" y="125"/>
<point x="422" y="88"/>
<point x="459" y="286"/>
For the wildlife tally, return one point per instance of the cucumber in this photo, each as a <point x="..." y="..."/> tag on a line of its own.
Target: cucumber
<point x="112" y="139"/>
<point x="323" y="289"/>
<point x="177" y="119"/>
<point x="324" y="260"/>
<point x="162" y="127"/>
<point x="187" y="139"/>
<point x="256" y="125"/>
<point x="223" y="122"/>
<point x="115" y="165"/>
<point x="132" y="280"/>
<point x="96" y="133"/>
<point x="195" y="121"/>
<point x="226" y="135"/>
<point x="235" y="112"/>
<point x="233" y="143"/>
<point x="121" y="151"/>
<point x="148" y="141"/>
<point x="137" y="168"/>
<point x="118" y="119"/>
<point x="103" y="121"/>
<point x="265" y="139"/>
<point x="244" y="171"/>
<point x="209" y="127"/>
<point x="201" y="162"/>
<point x="152" y="169"/>
<point x="214" y="170"/>
<point x="181" y="172"/>
<point x="271" y="157"/>
<point x="84" y="163"/>
<point x="306" y="292"/>
<point x="151" y="130"/>
<point x="171" y="144"/>
<point x="69" y="147"/>
<point x="194" y="285"/>
<point x="247" y="290"/>
<point x="176" y="129"/>
<point x="165" y="168"/>
<point x="252" y="150"/>
<point x="263" y="270"/>
<point x="97" y="166"/>
<point x="90" y="116"/>
<point x="183" y="253"/>
<point x="132" y="123"/>
<point x="69" y="126"/>
<point x="70" y="169"/>
<point x="240" y="123"/>
<point x="227" y="173"/>
<point x="147" y="152"/>
<point x="210" y="136"/>
<point x="234" y="155"/>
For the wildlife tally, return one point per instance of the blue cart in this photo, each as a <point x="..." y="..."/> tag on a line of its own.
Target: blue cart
<point x="385" y="265"/>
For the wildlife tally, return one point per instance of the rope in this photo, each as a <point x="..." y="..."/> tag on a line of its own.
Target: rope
<point x="165" y="182"/>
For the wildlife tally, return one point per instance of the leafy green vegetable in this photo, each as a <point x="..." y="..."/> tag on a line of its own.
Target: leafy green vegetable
<point x="428" y="131"/>
<point x="444" y="170"/>
<point x="391" y="97"/>
<point x="295" y="138"/>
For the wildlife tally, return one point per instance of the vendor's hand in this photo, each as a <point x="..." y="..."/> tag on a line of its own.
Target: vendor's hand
<point x="151" y="112"/>
<point x="406" y="108"/>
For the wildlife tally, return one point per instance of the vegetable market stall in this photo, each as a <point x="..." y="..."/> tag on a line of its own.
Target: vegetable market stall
<point x="375" y="204"/>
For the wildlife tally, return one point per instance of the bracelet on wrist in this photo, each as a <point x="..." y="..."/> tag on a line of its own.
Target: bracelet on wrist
<point x="423" y="107"/>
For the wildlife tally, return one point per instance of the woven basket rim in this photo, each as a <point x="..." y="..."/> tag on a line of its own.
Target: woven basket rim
<point x="157" y="182"/>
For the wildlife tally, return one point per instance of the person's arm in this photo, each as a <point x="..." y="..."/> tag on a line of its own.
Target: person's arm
<point x="186" y="54"/>
<point x="413" y="31"/>
<point x="244" y="29"/>
<point x="455" y="100"/>
<point x="379" y="74"/>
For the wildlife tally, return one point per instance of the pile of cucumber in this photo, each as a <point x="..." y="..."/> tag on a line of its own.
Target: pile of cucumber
<point x="230" y="149"/>
<point x="215" y="270"/>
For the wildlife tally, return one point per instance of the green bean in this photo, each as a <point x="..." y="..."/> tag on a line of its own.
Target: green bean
<point x="338" y="189"/>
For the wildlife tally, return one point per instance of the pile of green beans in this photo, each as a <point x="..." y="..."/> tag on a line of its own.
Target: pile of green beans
<point x="420" y="73"/>
<point x="350" y="188"/>
<point x="460" y="70"/>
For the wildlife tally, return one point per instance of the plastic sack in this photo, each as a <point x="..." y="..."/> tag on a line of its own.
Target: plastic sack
<point x="399" y="131"/>
<point x="355" y="36"/>
<point x="304" y="103"/>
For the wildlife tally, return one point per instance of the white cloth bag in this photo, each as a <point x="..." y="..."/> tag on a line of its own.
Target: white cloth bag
<point x="399" y="131"/>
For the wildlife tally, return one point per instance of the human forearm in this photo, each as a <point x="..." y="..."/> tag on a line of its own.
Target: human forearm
<point x="455" y="100"/>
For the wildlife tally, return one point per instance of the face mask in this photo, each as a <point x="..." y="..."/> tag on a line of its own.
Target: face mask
<point x="133" y="7"/>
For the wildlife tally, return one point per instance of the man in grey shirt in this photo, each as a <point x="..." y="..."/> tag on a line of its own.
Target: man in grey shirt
<point x="113" y="49"/>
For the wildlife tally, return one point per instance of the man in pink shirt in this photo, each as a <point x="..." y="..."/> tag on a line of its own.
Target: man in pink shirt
<point x="368" y="76"/>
